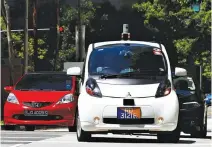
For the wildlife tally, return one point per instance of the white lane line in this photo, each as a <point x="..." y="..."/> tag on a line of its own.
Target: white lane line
<point x="17" y="145"/>
<point x="53" y="130"/>
<point x="3" y="137"/>
<point x="43" y="141"/>
<point x="5" y="141"/>
<point x="76" y="142"/>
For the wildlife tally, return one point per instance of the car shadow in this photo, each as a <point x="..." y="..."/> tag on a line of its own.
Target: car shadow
<point x="181" y="136"/>
<point x="134" y="140"/>
<point x="184" y="136"/>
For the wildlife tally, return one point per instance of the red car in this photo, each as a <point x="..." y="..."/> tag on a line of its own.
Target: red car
<point x="44" y="98"/>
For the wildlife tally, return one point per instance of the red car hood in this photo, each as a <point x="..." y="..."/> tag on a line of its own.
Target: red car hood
<point x="39" y="96"/>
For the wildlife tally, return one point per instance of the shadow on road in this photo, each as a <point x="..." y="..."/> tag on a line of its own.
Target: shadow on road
<point x="182" y="136"/>
<point x="132" y="140"/>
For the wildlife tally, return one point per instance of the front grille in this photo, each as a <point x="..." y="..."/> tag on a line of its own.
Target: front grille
<point x="49" y="117"/>
<point x="37" y="104"/>
<point x="128" y="121"/>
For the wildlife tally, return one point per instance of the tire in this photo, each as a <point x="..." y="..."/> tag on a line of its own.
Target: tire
<point x="73" y="128"/>
<point x="82" y="136"/>
<point x="9" y="127"/>
<point x="30" y="128"/>
<point x="170" y="137"/>
<point x="203" y="130"/>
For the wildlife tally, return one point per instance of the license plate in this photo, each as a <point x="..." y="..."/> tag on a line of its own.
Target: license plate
<point x="128" y="113"/>
<point x="35" y="113"/>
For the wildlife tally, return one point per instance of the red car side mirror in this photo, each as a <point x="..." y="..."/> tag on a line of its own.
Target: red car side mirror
<point x="8" y="88"/>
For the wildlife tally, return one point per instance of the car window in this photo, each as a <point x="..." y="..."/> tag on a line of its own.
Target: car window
<point x="121" y="58"/>
<point x="58" y="82"/>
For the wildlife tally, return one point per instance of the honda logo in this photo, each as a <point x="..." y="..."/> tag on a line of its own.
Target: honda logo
<point x="36" y="105"/>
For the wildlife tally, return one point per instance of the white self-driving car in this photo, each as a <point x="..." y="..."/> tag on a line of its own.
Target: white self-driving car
<point x="126" y="87"/>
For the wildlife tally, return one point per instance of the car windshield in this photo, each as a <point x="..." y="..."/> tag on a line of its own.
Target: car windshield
<point x="48" y="82"/>
<point x="125" y="58"/>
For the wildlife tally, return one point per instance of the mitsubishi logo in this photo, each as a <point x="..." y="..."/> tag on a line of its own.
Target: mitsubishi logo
<point x="128" y="95"/>
<point x="36" y="105"/>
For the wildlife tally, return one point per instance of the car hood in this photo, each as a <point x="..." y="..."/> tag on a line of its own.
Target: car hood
<point x="134" y="91"/>
<point x="39" y="96"/>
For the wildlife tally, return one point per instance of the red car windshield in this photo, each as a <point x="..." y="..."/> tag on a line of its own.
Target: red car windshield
<point x="48" y="82"/>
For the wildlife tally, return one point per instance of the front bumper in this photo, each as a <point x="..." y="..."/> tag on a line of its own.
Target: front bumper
<point x="59" y="115"/>
<point x="132" y="128"/>
<point x="106" y="108"/>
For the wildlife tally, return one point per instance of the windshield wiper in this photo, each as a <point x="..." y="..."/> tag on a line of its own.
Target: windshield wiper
<point x="105" y="76"/>
<point x="27" y="89"/>
<point x="138" y="74"/>
<point x="47" y="89"/>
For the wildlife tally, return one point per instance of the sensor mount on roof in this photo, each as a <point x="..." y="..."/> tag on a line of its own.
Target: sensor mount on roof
<point x="125" y="34"/>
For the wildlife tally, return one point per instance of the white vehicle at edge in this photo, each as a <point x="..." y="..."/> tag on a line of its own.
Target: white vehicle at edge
<point x="127" y="87"/>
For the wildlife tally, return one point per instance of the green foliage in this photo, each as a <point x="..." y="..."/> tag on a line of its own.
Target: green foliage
<point x="18" y="45"/>
<point x="41" y="51"/>
<point x="68" y="20"/>
<point x="204" y="59"/>
<point x="188" y="31"/>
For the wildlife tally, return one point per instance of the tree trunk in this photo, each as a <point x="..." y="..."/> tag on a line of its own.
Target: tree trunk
<point x="10" y="43"/>
<point x="35" y="35"/>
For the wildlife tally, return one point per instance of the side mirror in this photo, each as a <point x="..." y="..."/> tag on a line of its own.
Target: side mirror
<point x="74" y="71"/>
<point x="8" y="88"/>
<point x="180" y="72"/>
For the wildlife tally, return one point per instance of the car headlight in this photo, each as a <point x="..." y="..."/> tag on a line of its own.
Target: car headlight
<point x="92" y="88"/>
<point x="68" y="98"/>
<point x="12" y="99"/>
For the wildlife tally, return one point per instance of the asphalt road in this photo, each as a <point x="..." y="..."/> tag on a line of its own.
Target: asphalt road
<point x="61" y="137"/>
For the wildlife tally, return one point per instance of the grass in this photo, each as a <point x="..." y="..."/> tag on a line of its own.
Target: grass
<point x="2" y="123"/>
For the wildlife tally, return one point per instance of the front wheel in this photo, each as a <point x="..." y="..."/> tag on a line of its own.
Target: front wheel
<point x="82" y="136"/>
<point x="9" y="127"/>
<point x="170" y="137"/>
<point x="30" y="128"/>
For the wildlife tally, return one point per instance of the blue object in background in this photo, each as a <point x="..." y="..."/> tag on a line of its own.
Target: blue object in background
<point x="184" y="92"/>
<point x="68" y="87"/>
<point x="196" y="7"/>
<point x="208" y="99"/>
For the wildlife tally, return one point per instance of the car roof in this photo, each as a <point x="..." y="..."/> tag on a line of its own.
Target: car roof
<point x="98" y="44"/>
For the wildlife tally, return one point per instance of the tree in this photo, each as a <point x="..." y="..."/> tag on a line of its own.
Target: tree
<point x="69" y="20"/>
<point x="9" y="39"/>
<point x="18" y="46"/>
<point x="175" y="23"/>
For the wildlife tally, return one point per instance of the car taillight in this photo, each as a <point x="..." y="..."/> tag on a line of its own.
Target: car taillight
<point x="92" y="88"/>
<point x="164" y="89"/>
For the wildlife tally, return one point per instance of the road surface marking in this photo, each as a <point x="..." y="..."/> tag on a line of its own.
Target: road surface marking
<point x="21" y="137"/>
<point x="17" y="145"/>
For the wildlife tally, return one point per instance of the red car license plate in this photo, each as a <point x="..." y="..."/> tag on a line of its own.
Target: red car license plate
<point x="35" y="113"/>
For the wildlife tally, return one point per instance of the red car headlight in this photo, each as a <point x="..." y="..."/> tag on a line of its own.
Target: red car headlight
<point x="12" y="99"/>
<point x="68" y="98"/>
